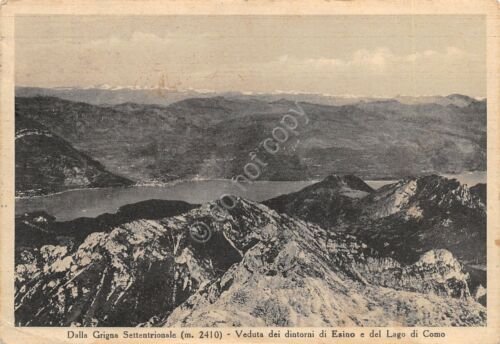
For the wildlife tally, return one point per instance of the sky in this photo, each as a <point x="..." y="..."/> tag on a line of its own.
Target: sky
<point x="336" y="55"/>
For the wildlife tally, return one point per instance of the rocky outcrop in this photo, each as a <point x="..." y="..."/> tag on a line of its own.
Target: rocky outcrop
<point x="257" y="268"/>
<point x="437" y="272"/>
<point x="418" y="214"/>
<point x="34" y="230"/>
<point x="402" y="220"/>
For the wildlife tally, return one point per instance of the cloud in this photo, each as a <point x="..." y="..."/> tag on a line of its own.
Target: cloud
<point x="380" y="60"/>
<point x="378" y="71"/>
<point x="137" y="38"/>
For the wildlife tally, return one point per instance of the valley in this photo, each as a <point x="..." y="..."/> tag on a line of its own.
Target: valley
<point x="211" y="138"/>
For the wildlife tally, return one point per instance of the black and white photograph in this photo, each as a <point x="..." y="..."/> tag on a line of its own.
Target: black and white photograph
<point x="250" y="171"/>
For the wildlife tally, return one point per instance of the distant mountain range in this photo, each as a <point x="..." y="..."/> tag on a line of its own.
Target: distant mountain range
<point x="258" y="267"/>
<point x="46" y="163"/>
<point x="114" y="95"/>
<point x="213" y="137"/>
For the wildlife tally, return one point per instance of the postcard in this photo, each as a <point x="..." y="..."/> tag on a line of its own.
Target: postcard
<point x="243" y="171"/>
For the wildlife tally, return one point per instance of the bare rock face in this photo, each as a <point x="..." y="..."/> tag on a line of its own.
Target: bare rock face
<point x="436" y="272"/>
<point x="412" y="216"/>
<point x="405" y="219"/>
<point x="258" y="268"/>
<point x="402" y="220"/>
<point x="37" y="229"/>
<point x="125" y="276"/>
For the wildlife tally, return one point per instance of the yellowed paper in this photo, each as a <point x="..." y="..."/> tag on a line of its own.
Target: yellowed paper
<point x="272" y="171"/>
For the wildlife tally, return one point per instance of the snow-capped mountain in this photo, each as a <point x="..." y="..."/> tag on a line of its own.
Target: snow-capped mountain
<point x="103" y="94"/>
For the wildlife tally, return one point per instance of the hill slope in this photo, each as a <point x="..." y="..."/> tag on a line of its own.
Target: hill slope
<point x="329" y="203"/>
<point x="45" y="163"/>
<point x="212" y="137"/>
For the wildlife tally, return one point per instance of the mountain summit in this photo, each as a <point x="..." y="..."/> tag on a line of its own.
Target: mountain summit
<point x="415" y="214"/>
<point x="258" y="268"/>
<point x="327" y="203"/>
<point x="401" y="219"/>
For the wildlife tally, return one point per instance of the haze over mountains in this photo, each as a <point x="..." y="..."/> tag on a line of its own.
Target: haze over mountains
<point x="212" y="137"/>
<point x="159" y="95"/>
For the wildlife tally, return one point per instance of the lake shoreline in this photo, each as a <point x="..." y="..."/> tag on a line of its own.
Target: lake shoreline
<point x="91" y="202"/>
<point x="180" y="181"/>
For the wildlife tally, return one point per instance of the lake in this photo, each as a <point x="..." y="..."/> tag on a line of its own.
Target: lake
<point x="92" y="202"/>
<point x="69" y="205"/>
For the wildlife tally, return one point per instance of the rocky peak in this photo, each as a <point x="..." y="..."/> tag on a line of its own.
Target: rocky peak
<point x="446" y="192"/>
<point x="328" y="203"/>
<point x="402" y="220"/>
<point x="336" y="182"/>
<point x="258" y="266"/>
<point x="437" y="272"/>
<point x="303" y="275"/>
<point x="407" y="218"/>
<point x="412" y="196"/>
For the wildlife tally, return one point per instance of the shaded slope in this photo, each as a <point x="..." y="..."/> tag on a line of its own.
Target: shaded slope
<point x="45" y="163"/>
<point x="480" y="191"/>
<point x="212" y="137"/>
<point x="328" y="203"/>
<point x="416" y="214"/>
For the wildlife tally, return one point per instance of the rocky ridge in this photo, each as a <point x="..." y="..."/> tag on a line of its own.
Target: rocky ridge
<point x="403" y="219"/>
<point x="152" y="273"/>
<point x="416" y="214"/>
